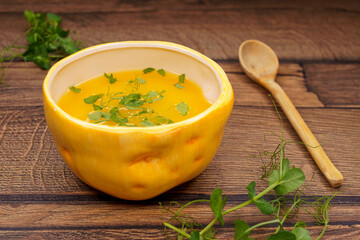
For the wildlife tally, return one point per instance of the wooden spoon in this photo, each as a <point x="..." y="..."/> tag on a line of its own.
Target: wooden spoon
<point x="261" y="64"/>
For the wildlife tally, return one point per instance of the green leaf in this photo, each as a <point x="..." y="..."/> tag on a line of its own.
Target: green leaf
<point x="217" y="204"/>
<point x="92" y="99"/>
<point x="75" y="89"/>
<point x="292" y="180"/>
<point x="264" y="206"/>
<point x="161" y="72"/>
<point x="118" y="119"/>
<point x="111" y="78"/>
<point x="240" y="230"/>
<point x="300" y="224"/>
<point x="114" y="111"/>
<point x="209" y="234"/>
<point x="148" y="70"/>
<point x="132" y="101"/>
<point x="68" y="45"/>
<point x="195" y="235"/>
<point x="285" y="166"/>
<point x="182" y="108"/>
<point x="178" y="85"/>
<point x="301" y="234"/>
<point x="159" y="119"/>
<point x="282" y="235"/>
<point x="147" y="123"/>
<point x="94" y="116"/>
<point x="97" y="107"/>
<point x="141" y="81"/>
<point x="182" y="78"/>
<point x="251" y="190"/>
<point x="54" y="18"/>
<point x="106" y="115"/>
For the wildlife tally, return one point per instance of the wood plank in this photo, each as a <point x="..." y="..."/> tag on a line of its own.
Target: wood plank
<point x="30" y="163"/>
<point x="344" y="92"/>
<point x="23" y="85"/>
<point x="301" y="35"/>
<point x="146" y="218"/>
<point x="334" y="232"/>
<point x="171" y="5"/>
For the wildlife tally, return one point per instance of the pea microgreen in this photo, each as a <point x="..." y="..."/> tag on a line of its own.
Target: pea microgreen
<point x="148" y="70"/>
<point x="75" y="89"/>
<point x="181" y="80"/>
<point x="47" y="42"/>
<point x="178" y="85"/>
<point x="141" y="81"/>
<point x="280" y="178"/>
<point x="94" y="115"/>
<point x="93" y="98"/>
<point x="111" y="78"/>
<point x="161" y="72"/>
<point x="182" y="108"/>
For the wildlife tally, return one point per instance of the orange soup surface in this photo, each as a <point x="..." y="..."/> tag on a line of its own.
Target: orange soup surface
<point x="140" y="98"/>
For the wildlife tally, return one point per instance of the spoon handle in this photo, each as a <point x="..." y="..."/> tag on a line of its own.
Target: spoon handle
<point x="331" y="173"/>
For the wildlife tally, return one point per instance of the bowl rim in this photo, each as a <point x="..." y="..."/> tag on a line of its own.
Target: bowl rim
<point x="226" y="91"/>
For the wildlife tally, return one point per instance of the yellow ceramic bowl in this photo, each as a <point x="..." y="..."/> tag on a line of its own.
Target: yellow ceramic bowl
<point x="141" y="162"/>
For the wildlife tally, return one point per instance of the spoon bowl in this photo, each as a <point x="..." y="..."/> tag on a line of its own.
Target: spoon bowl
<point x="258" y="60"/>
<point x="261" y="64"/>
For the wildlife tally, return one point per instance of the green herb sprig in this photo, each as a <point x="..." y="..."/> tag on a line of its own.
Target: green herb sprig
<point x="282" y="179"/>
<point x="47" y="42"/>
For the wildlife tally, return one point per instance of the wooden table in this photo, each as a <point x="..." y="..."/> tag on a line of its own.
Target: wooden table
<point x="318" y="43"/>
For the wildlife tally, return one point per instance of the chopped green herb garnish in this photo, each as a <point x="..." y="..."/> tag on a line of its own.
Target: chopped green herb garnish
<point x="159" y="119"/>
<point x="182" y="108"/>
<point x="182" y="78"/>
<point x="97" y="107"/>
<point x="75" y="89"/>
<point x="161" y="72"/>
<point x="92" y="99"/>
<point x="147" y="123"/>
<point x="148" y="70"/>
<point x="141" y="81"/>
<point x="132" y="101"/>
<point x="110" y="78"/>
<point x="94" y="115"/>
<point x="178" y="85"/>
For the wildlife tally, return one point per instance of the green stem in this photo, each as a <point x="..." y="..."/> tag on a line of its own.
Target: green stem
<point x="281" y="160"/>
<point x="262" y="224"/>
<point x="286" y="215"/>
<point x="208" y="226"/>
<point x="195" y="201"/>
<point x="254" y="199"/>
<point x="240" y="206"/>
<point x="168" y="225"/>
<point x="323" y="231"/>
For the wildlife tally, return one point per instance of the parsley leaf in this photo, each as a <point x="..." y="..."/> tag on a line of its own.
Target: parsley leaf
<point x="182" y="108"/>
<point x="147" y="123"/>
<point x="110" y="78"/>
<point x="75" y="89"/>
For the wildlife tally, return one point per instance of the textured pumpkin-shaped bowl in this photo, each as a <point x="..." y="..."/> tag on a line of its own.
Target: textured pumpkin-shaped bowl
<point x="141" y="162"/>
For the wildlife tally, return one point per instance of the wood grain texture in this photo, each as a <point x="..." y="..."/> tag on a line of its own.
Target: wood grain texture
<point x="306" y="86"/>
<point x="318" y="46"/>
<point x="30" y="162"/>
<point x="309" y="34"/>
